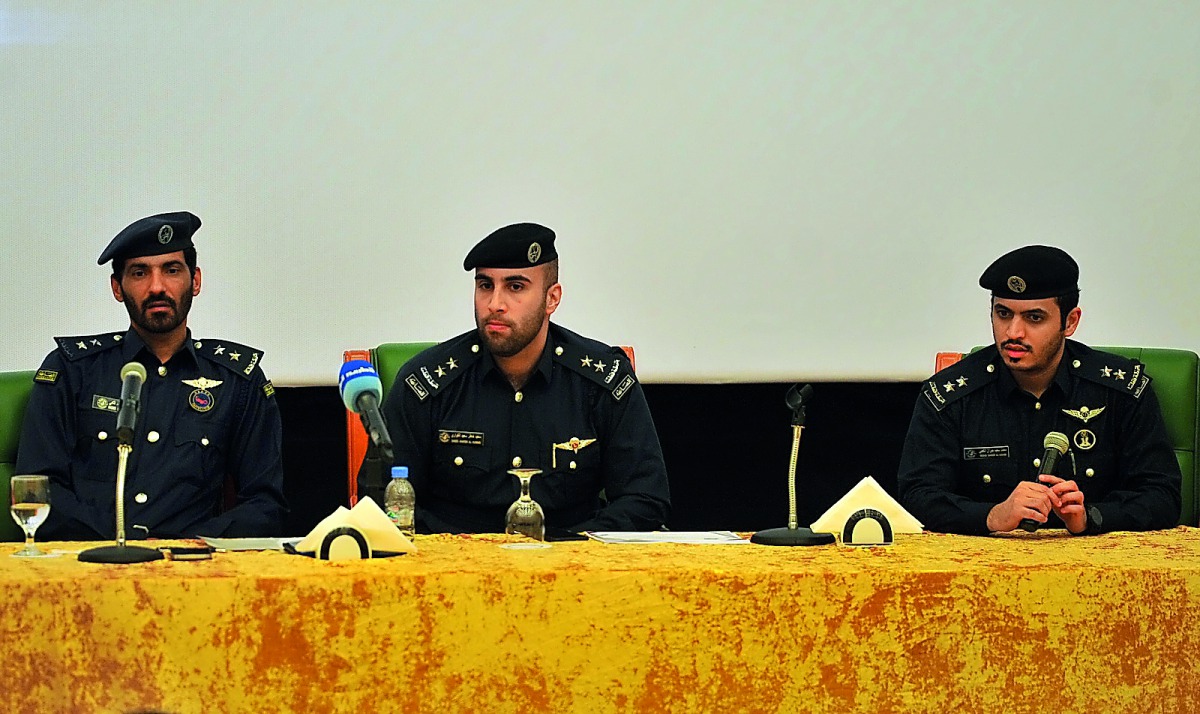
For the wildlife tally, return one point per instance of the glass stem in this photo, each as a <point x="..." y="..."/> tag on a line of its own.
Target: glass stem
<point x="28" y="540"/>
<point x="525" y="488"/>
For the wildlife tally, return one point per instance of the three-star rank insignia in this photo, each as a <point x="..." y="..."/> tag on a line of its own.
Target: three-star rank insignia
<point x="201" y="399"/>
<point x="574" y="444"/>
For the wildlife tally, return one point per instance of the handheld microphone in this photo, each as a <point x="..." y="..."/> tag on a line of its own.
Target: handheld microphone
<point x="133" y="375"/>
<point x="1056" y="444"/>
<point x="361" y="390"/>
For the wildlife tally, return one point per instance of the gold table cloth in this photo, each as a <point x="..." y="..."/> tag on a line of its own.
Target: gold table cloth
<point x="933" y="623"/>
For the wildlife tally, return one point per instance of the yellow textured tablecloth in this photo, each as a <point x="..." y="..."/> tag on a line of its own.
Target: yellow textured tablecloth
<point x="934" y="623"/>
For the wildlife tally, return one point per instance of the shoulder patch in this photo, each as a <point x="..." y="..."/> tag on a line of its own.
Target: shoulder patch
<point x="268" y="389"/>
<point x="960" y="379"/>
<point x="236" y="358"/>
<point x="1113" y="371"/>
<point x="609" y="367"/>
<point x="46" y="376"/>
<point x="430" y="371"/>
<point x="74" y="348"/>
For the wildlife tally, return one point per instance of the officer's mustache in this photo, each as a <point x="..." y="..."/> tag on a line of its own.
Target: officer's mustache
<point x="1016" y="343"/>
<point x="157" y="300"/>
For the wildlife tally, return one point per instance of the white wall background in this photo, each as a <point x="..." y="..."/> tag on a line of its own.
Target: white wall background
<point x="745" y="191"/>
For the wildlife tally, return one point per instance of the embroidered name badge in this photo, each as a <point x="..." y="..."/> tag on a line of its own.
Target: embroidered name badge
<point x="106" y="404"/>
<point x="974" y="453"/>
<point x="466" y="438"/>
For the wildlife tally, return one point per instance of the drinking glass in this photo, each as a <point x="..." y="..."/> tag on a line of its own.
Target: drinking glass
<point x="525" y="515"/>
<point x="30" y="506"/>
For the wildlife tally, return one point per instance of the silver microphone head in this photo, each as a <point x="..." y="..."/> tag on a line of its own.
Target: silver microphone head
<point x="1058" y="441"/>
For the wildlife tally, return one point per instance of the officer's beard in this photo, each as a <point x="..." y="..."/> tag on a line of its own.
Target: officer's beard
<point x="163" y="322"/>
<point x="520" y="335"/>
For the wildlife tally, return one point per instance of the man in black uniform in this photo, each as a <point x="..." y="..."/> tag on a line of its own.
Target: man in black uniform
<point x="208" y="415"/>
<point x="520" y="391"/>
<point x="971" y="459"/>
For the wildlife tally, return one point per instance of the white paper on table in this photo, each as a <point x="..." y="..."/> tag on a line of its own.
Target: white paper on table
<point x="687" y="537"/>
<point x="369" y="519"/>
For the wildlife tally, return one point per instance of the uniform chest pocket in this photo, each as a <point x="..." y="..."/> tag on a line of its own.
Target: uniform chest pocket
<point x="989" y="476"/>
<point x="200" y="447"/>
<point x="96" y="441"/>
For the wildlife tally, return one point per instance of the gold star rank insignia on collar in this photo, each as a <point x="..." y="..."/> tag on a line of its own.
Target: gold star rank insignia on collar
<point x="439" y="371"/>
<point x="235" y="356"/>
<point x="948" y="386"/>
<point x="586" y="361"/>
<point x="600" y="367"/>
<point x="203" y="382"/>
<point x="452" y="363"/>
<point x="1085" y="414"/>
<point x="1106" y="371"/>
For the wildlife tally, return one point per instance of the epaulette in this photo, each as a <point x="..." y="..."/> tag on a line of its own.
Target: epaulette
<point x="432" y="369"/>
<point x="236" y="358"/>
<point x="607" y="366"/>
<point x="74" y="348"/>
<point x="961" y="378"/>
<point x="1110" y="370"/>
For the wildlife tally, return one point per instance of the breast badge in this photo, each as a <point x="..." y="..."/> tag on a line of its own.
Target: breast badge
<point x="1084" y="439"/>
<point x="201" y="399"/>
<point x="574" y="444"/>
<point x="1085" y="414"/>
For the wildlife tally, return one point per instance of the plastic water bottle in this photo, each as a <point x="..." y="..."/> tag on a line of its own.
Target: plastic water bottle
<point x="400" y="501"/>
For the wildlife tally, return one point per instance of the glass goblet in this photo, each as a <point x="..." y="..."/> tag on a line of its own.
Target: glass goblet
<point x="29" y="508"/>
<point x="525" y="515"/>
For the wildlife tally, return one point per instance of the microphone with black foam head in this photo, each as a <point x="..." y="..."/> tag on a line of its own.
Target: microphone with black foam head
<point x="797" y="400"/>
<point x="133" y="376"/>
<point x="1056" y="444"/>
<point x="361" y="391"/>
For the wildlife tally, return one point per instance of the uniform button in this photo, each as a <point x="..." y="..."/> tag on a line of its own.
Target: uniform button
<point x="152" y="437"/>
<point x="474" y="348"/>
<point x="199" y="345"/>
<point x="518" y="397"/>
<point x="141" y="498"/>
<point x="1037" y="463"/>
<point x="102" y="435"/>
<point x="162" y="370"/>
<point x="516" y="462"/>
<point x="572" y="464"/>
<point x="558" y="351"/>
<point x="1089" y="473"/>
<point x="1037" y="405"/>
<point x="991" y="368"/>
<point x="987" y="478"/>
<point x="204" y="441"/>
<point x="458" y="461"/>
<point x="1076" y="364"/>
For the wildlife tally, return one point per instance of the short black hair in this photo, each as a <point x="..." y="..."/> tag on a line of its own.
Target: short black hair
<point x="189" y="257"/>
<point x="1066" y="303"/>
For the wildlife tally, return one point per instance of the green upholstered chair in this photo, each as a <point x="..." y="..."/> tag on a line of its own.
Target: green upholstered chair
<point x="14" y="395"/>
<point x="1176" y="375"/>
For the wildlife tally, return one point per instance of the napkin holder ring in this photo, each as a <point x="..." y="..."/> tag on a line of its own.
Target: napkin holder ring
<point x="345" y="543"/>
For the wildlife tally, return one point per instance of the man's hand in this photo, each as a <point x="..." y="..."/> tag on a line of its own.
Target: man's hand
<point x="1028" y="500"/>
<point x="1070" y="502"/>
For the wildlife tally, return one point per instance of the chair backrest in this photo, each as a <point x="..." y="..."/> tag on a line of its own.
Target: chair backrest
<point x="1176" y="376"/>
<point x="14" y="395"/>
<point x="387" y="358"/>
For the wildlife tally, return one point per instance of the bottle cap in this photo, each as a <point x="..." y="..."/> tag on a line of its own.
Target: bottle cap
<point x="399" y="472"/>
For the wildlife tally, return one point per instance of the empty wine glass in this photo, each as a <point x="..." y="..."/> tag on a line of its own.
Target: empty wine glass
<point x="30" y="506"/>
<point x="525" y="515"/>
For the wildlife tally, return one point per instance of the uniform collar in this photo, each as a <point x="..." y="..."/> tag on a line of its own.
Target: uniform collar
<point x="133" y="347"/>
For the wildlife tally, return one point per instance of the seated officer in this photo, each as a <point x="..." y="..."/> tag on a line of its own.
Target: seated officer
<point x="520" y="391"/>
<point x="208" y="415"/>
<point x="968" y="464"/>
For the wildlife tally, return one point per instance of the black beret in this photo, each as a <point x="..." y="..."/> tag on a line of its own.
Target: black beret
<point x="1031" y="273"/>
<point x="520" y="245"/>
<point x="156" y="235"/>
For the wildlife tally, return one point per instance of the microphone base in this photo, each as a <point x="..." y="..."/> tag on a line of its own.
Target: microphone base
<point x="120" y="554"/>
<point x="791" y="536"/>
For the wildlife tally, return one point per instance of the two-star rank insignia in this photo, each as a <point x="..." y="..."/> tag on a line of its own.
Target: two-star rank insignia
<point x="586" y="361"/>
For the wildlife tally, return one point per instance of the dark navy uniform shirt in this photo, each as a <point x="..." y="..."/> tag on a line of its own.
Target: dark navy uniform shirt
<point x="975" y="435"/>
<point x="581" y="418"/>
<point x="207" y="416"/>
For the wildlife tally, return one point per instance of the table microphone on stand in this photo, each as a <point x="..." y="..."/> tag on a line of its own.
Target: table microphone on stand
<point x="797" y="400"/>
<point x="133" y="375"/>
